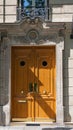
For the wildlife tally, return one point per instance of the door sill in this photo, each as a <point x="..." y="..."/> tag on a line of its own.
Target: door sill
<point x="32" y="123"/>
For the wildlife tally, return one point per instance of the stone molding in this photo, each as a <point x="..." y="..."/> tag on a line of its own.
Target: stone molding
<point x="59" y="83"/>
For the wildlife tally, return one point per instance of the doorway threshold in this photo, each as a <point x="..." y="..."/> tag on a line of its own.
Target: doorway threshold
<point x="32" y="123"/>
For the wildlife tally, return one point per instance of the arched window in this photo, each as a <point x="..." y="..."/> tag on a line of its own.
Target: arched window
<point x="34" y="8"/>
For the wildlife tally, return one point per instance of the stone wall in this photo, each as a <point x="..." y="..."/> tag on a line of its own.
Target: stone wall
<point x="8" y="11"/>
<point x="61" y="11"/>
<point x="1" y="11"/>
<point x="68" y="76"/>
<point x="60" y="1"/>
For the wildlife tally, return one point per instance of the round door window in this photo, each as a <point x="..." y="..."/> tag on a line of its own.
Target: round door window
<point x="22" y="63"/>
<point x="44" y="63"/>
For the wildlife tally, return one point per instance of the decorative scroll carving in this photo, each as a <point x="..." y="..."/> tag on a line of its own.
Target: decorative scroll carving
<point x="34" y="31"/>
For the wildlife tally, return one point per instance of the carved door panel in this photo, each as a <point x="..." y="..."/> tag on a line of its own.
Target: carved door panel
<point x="22" y="79"/>
<point x="45" y="73"/>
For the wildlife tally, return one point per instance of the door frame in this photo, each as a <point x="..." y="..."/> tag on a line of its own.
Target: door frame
<point x="59" y="78"/>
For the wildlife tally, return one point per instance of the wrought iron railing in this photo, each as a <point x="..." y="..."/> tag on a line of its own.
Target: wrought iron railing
<point x="43" y="13"/>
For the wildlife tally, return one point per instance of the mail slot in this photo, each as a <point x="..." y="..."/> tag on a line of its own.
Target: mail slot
<point x="22" y="101"/>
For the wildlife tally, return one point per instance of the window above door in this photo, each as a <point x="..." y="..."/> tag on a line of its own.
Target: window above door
<point x="33" y="9"/>
<point x="35" y="3"/>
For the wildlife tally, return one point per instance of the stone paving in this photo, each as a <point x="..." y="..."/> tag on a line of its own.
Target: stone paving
<point x="34" y="128"/>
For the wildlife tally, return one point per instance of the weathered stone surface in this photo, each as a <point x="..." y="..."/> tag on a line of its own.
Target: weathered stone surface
<point x="36" y="128"/>
<point x="10" y="10"/>
<point x="10" y="18"/>
<point x="12" y="2"/>
<point x="1" y="10"/>
<point x="1" y="2"/>
<point x="1" y="18"/>
<point x="61" y="1"/>
<point x="2" y="116"/>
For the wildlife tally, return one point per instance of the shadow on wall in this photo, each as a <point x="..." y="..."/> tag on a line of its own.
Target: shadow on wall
<point x="57" y="128"/>
<point x="67" y="116"/>
<point x="2" y="117"/>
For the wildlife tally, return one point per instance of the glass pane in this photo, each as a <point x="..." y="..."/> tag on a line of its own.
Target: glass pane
<point x="27" y="3"/>
<point x="22" y="63"/>
<point x="39" y="3"/>
<point x="44" y="63"/>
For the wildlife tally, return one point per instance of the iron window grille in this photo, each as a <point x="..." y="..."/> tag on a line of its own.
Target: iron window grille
<point x="38" y="8"/>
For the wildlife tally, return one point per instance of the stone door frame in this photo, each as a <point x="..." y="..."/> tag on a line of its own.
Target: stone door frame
<point x="6" y="74"/>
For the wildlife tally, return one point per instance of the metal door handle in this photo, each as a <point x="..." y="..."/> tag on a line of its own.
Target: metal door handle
<point x="30" y="87"/>
<point x="22" y="101"/>
<point x="35" y="87"/>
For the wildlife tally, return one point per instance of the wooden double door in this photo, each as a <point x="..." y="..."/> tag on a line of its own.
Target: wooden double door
<point x="33" y="84"/>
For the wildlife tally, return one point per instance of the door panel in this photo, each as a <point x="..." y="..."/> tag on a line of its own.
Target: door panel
<point x="33" y="84"/>
<point x="45" y="73"/>
<point x="44" y="109"/>
<point x="22" y="76"/>
<point x="45" y="70"/>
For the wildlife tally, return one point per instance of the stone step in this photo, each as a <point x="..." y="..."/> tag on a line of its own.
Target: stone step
<point x="34" y="128"/>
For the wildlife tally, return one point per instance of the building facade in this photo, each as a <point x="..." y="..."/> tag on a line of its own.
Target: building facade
<point x="36" y="61"/>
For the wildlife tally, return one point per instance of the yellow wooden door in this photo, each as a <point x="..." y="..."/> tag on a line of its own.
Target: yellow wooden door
<point x="33" y="84"/>
<point x="22" y="79"/>
<point x="45" y="101"/>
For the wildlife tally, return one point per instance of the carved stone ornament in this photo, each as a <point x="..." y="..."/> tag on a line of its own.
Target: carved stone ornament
<point x="32" y="35"/>
<point x="33" y="31"/>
